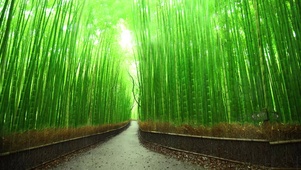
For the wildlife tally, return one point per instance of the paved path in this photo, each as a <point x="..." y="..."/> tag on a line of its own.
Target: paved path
<point x="124" y="152"/>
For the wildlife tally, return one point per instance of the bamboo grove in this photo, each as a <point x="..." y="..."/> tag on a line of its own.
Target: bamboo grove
<point x="58" y="70"/>
<point x="211" y="61"/>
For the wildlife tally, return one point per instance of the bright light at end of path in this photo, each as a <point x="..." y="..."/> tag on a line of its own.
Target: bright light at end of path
<point x="126" y="41"/>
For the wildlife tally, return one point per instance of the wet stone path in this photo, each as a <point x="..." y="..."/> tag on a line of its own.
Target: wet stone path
<point x="124" y="152"/>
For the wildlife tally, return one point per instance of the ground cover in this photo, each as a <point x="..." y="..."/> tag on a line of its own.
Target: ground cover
<point x="34" y="138"/>
<point x="267" y="131"/>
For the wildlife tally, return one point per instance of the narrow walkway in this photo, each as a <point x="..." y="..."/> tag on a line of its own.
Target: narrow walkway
<point x="124" y="152"/>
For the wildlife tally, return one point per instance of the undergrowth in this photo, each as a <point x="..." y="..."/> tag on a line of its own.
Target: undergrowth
<point x="266" y="131"/>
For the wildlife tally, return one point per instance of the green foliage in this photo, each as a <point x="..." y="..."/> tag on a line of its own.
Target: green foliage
<point x="210" y="61"/>
<point x="57" y="69"/>
<point x="200" y="62"/>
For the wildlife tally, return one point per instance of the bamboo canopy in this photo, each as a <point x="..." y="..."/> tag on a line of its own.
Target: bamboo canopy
<point x="211" y="61"/>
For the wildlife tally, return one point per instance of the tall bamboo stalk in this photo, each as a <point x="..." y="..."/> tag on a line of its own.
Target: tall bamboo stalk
<point x="54" y="74"/>
<point x="219" y="61"/>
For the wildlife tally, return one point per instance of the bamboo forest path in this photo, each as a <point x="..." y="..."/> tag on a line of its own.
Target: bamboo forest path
<point x="124" y="151"/>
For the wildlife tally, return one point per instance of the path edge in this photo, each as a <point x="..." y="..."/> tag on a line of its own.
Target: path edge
<point x="33" y="157"/>
<point x="283" y="155"/>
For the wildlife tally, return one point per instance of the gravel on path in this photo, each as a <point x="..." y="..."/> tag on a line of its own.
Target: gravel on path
<point x="123" y="152"/>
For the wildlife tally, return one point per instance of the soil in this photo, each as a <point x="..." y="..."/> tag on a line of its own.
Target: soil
<point x="203" y="161"/>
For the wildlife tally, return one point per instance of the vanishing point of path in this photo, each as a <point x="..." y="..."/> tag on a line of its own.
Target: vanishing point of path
<point x="124" y="152"/>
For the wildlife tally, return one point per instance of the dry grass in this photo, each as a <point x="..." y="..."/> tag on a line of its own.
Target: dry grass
<point x="271" y="132"/>
<point x="33" y="138"/>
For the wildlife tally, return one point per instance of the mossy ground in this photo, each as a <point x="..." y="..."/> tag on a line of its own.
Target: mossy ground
<point x="266" y="131"/>
<point x="34" y="138"/>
